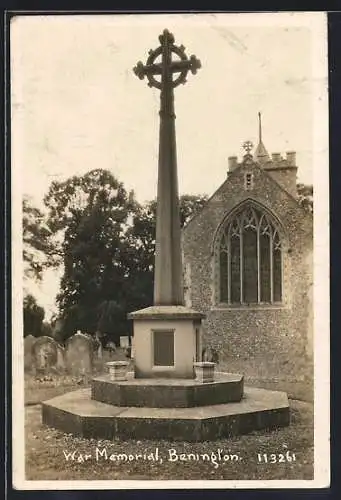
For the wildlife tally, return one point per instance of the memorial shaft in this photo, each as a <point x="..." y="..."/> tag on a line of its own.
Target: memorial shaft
<point x="168" y="280"/>
<point x="168" y="288"/>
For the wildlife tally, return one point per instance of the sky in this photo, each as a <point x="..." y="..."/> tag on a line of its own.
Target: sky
<point x="77" y="105"/>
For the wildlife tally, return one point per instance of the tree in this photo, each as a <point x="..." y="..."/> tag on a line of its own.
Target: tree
<point x="38" y="250"/>
<point x="46" y="329"/>
<point x="91" y="214"/>
<point x="107" y="242"/>
<point x="305" y="196"/>
<point x="111" y="320"/>
<point x="33" y="316"/>
<point x="190" y="205"/>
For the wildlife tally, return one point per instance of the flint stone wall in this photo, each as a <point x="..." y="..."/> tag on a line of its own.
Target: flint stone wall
<point x="262" y="341"/>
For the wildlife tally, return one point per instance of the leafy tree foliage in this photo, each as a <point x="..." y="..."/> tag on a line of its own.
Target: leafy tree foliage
<point x="92" y="214"/>
<point x="305" y="196"/>
<point x="46" y="329"/>
<point x="107" y="241"/>
<point x="38" y="249"/>
<point x="33" y="316"/>
<point x="190" y="205"/>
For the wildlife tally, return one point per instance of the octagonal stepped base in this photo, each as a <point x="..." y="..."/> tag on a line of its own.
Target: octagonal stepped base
<point x="76" y="413"/>
<point x="168" y="393"/>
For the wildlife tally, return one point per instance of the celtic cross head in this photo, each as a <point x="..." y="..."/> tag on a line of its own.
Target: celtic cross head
<point x="161" y="69"/>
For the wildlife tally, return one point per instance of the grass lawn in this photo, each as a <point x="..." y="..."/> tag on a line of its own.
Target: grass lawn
<point x="45" y="447"/>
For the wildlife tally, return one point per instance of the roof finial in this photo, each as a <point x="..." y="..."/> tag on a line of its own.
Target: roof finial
<point x="261" y="155"/>
<point x="248" y="147"/>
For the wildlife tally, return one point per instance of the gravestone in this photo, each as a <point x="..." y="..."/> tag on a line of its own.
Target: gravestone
<point x="99" y="348"/>
<point x="124" y="342"/>
<point x="111" y="347"/>
<point x="79" y="354"/>
<point x="210" y="354"/>
<point x="45" y="354"/>
<point x="28" y="355"/>
<point x="132" y="350"/>
<point x="60" y="358"/>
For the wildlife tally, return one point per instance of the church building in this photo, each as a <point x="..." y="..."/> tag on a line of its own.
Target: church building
<point x="248" y="265"/>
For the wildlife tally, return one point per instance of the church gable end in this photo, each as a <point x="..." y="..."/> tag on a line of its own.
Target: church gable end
<point x="248" y="267"/>
<point x="247" y="181"/>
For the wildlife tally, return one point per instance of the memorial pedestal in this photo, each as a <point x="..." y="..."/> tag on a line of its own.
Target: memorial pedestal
<point x="167" y="341"/>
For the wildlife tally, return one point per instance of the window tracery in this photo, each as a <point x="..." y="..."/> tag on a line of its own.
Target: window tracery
<point x="250" y="259"/>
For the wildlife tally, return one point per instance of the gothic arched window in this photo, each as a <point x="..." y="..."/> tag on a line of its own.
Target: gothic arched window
<point x="250" y="259"/>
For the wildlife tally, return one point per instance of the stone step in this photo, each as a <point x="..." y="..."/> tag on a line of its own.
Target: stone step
<point x="170" y="393"/>
<point x="76" y="413"/>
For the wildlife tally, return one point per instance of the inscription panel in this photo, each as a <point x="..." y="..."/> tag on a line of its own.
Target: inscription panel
<point x="163" y="347"/>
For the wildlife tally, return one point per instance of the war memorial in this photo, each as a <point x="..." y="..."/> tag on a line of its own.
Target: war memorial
<point x="171" y="394"/>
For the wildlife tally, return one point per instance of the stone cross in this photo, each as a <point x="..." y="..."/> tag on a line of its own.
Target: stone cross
<point x="248" y="146"/>
<point x="165" y="74"/>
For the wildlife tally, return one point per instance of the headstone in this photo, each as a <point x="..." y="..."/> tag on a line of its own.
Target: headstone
<point x="210" y="354"/>
<point x="28" y="355"/>
<point x="132" y="351"/>
<point x="99" y="347"/>
<point x="124" y="342"/>
<point x="111" y="347"/>
<point x="214" y="356"/>
<point x="79" y="354"/>
<point x="60" y="358"/>
<point x="45" y="354"/>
